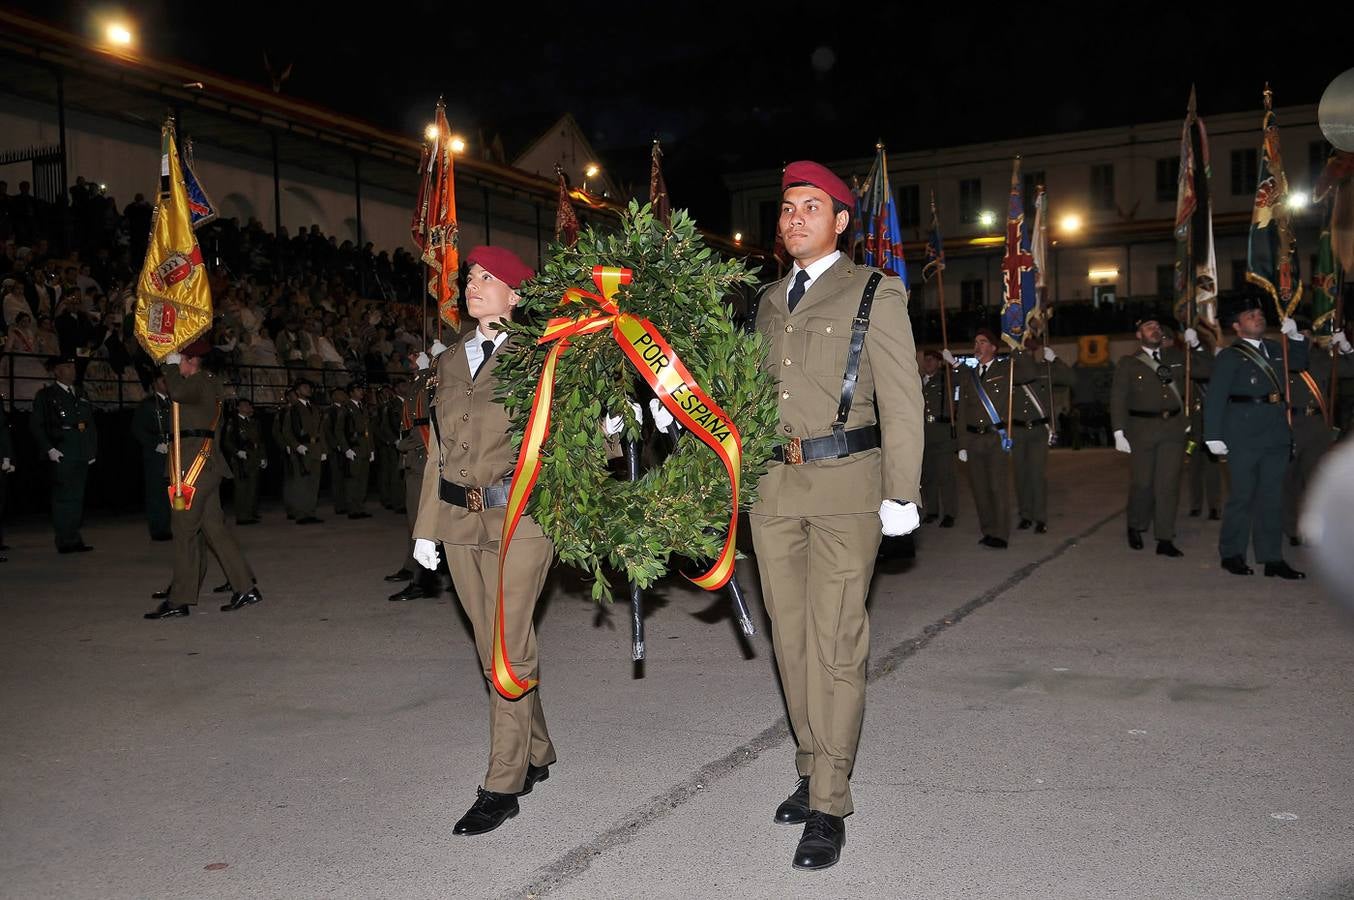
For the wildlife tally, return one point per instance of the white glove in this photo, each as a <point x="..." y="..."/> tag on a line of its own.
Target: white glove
<point x="1049" y="355"/>
<point x="437" y="349"/>
<point x="947" y="356"/>
<point x="324" y="457"/>
<point x="6" y="465"/>
<point x="263" y="464"/>
<point x="1217" y="448"/>
<point x="963" y="456"/>
<point x="1340" y="342"/>
<point x="302" y="449"/>
<point x="1191" y="338"/>
<point x="1121" y="443"/>
<point x="162" y="448"/>
<point x="612" y="425"/>
<point x="91" y="462"/>
<point x="173" y="359"/>
<point x="55" y="455"/>
<point x="350" y="453"/>
<point x="242" y="454"/>
<point x="372" y="456"/>
<point x="422" y="361"/>
<point x="425" y="553"/>
<point x="661" y="417"/>
<point x="898" y="518"/>
<point x="1290" y="328"/>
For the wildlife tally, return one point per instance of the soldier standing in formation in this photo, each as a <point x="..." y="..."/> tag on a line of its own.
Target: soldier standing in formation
<point x="1147" y="415"/>
<point x="354" y="449"/>
<point x="415" y="430"/>
<point x="302" y="432"/>
<point x="386" y="430"/>
<point x="1312" y="432"/>
<point x="338" y="471"/>
<point x="243" y="444"/>
<point x="1203" y="468"/>
<point x="1032" y="426"/>
<point x="1245" y="420"/>
<point x="150" y="427"/>
<point x="939" y="476"/>
<point x="984" y="441"/>
<point x="62" y="424"/>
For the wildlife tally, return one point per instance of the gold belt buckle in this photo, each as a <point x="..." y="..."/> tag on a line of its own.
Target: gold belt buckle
<point x="1165" y="413"/>
<point x="794" y="452"/>
<point x="930" y="419"/>
<point x="1274" y="397"/>
<point x="474" y="499"/>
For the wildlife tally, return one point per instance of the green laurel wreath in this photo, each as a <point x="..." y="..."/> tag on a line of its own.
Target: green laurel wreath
<point x="681" y="507"/>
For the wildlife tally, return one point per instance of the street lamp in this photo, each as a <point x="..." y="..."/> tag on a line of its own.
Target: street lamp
<point x="592" y="170"/>
<point x="457" y="144"/>
<point x="987" y="218"/>
<point x="738" y="237"/>
<point x="118" y="34"/>
<point x="1070" y="223"/>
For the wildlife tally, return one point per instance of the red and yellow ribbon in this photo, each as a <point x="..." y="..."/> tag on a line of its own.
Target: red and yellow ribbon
<point x="676" y="389"/>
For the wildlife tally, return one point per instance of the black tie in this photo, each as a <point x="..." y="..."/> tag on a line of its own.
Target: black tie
<point x="487" y="348"/>
<point x="797" y="289"/>
<point x="1156" y="356"/>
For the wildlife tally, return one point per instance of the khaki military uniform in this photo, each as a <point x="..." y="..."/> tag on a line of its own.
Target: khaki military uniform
<point x="988" y="464"/>
<point x="939" y="476"/>
<point x="303" y="425"/>
<point x="389" y="471"/>
<point x="414" y="436"/>
<point x="1203" y="470"/>
<point x="200" y="397"/>
<point x="338" y="470"/>
<point x="476" y="451"/>
<point x="150" y="427"/>
<point x="1149" y="410"/>
<point x="243" y="435"/>
<point x="815" y="526"/>
<point x="1032" y="423"/>
<point x="64" y="419"/>
<point x="353" y="431"/>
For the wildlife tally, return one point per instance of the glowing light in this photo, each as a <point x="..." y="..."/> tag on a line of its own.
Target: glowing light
<point x="1109" y="274"/>
<point x="430" y="132"/>
<point x="1070" y="223"/>
<point x="738" y="237"/>
<point x="457" y="144"/>
<point x="118" y="34"/>
<point x="592" y="170"/>
<point x="1299" y="200"/>
<point x="987" y="218"/>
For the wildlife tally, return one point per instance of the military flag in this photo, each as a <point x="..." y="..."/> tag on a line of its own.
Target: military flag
<point x="1271" y="258"/>
<point x="1196" y="265"/>
<point x="566" y="220"/>
<point x="434" y="227"/>
<point x="935" y="246"/>
<point x="658" y="186"/>
<point x="879" y="215"/>
<point x="1020" y="297"/>
<point x="200" y="206"/>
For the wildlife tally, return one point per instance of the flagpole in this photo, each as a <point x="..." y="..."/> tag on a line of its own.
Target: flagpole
<point x="944" y="330"/>
<point x="177" y="455"/>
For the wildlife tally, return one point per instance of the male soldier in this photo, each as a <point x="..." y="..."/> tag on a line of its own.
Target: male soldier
<point x="1147" y="408"/>
<point x="200" y="523"/>
<point x="1312" y="434"/>
<point x="850" y="404"/>
<point x="302" y="431"/>
<point x="1203" y="469"/>
<point x="243" y="444"/>
<point x="279" y="418"/>
<point x="1032" y="423"/>
<point x="150" y="427"/>
<point x="939" y="492"/>
<point x="355" y="451"/>
<point x="413" y="447"/>
<point x="1245" y="420"/>
<point x="984" y="441"/>
<point x="386" y="430"/>
<point x="338" y="479"/>
<point x="465" y="488"/>
<point x="62" y="423"/>
<point x="6" y="467"/>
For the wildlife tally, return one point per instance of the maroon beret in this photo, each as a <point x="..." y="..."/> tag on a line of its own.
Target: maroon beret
<point x="199" y="347"/>
<point x="806" y="172"/>
<point x="987" y="333"/>
<point x="501" y="263"/>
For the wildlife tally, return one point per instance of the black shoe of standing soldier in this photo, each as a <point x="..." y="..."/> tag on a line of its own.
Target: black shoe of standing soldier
<point x="222" y="588"/>
<point x="489" y="811"/>
<point x="1194" y="513"/>
<point x="534" y="774"/>
<point x="1166" y="548"/>
<point x="1213" y="515"/>
<point x="1282" y="569"/>
<point x="74" y="548"/>
<point x="401" y="575"/>
<point x="928" y="519"/>
<point x="821" y="844"/>
<point x="239" y="601"/>
<point x="167" y="610"/>
<point x="1237" y="565"/>
<point x="1024" y="525"/>
<point x="359" y="515"/>
<point x="308" y="520"/>
<point x="995" y="543"/>
<point x="412" y="591"/>
<point x="1041" y="528"/>
<point x="947" y="522"/>
<point x="160" y="595"/>
<point x="1135" y="539"/>
<point x="795" y="809"/>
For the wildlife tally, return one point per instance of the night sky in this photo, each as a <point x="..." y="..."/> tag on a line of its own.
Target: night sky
<point x="729" y="87"/>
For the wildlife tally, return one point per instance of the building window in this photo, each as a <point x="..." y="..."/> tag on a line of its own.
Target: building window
<point x="1238" y="274"/>
<point x="1245" y="172"/>
<point x="1102" y="186"/>
<point x="1168" y="178"/>
<point x="970" y="200"/>
<point x="909" y="206"/>
<point x="1030" y="186"/>
<point x="1166" y="281"/>
<point x="971" y="294"/>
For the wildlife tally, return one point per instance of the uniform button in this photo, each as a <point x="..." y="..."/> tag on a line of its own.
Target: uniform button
<point x="465" y="417"/>
<point x="789" y="329"/>
<point x="785" y="395"/>
<point x="464" y="445"/>
<point x="828" y="329"/>
<point x="465" y="474"/>
<point x="467" y="392"/>
<point x="787" y="429"/>
<point x="785" y="361"/>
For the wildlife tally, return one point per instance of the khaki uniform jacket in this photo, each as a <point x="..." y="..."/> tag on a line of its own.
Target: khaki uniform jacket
<point x="411" y="444"/>
<point x="303" y="423"/>
<point x="1055" y="373"/>
<point x="476" y="451"/>
<point x="243" y="434"/>
<point x="1137" y="387"/>
<point x="807" y="357"/>
<point x="970" y="409"/>
<point x="353" y="431"/>
<point x="200" y="398"/>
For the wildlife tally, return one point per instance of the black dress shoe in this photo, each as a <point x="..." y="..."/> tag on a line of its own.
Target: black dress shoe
<point x="74" y="548"/>
<point x="995" y="543"/>
<point x="795" y="809"/>
<point x="401" y="575"/>
<point x="1168" y="548"/>
<point x="1041" y="528"/>
<point x="242" y="600"/>
<point x="223" y="588"/>
<point x="412" y="591"/>
<point x="1024" y="525"/>
<point x="947" y="522"/>
<point x="1237" y="565"/>
<point x="1135" y="539"/>
<point x="167" y="610"/>
<point x="821" y="844"/>
<point x="489" y="811"/>
<point x="160" y="595"/>
<point x="359" y="515"/>
<point x="534" y="774"/>
<point x="162" y="537"/>
<point x="308" y="520"/>
<point x="1194" y="513"/>
<point x="1213" y="515"/>
<point x="1282" y="569"/>
<point x="928" y="519"/>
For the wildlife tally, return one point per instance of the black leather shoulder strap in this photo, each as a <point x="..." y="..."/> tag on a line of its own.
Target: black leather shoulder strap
<point x="750" y="321"/>
<point x="859" y="326"/>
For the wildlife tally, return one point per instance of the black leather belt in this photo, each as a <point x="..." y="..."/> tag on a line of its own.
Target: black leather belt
<point x="942" y="419"/>
<point x="985" y="429"/>
<point x="475" y="499"/>
<point x="800" y="451"/>
<point x="1146" y="414"/>
<point x="1033" y="423"/>
<point x="197" y="432"/>
<point x="1247" y="398"/>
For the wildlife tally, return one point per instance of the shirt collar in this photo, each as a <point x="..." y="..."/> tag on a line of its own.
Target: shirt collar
<point x="815" y="268"/>
<point x="1254" y="342"/>
<point x="478" y="337"/>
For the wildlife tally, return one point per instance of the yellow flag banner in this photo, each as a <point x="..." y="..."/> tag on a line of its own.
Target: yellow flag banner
<point x="173" y="297"/>
<point x="675" y="388"/>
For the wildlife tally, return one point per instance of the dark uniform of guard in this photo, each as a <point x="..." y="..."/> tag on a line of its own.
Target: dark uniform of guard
<point x="980" y="434"/>
<point x="1245" y="419"/>
<point x="280" y="440"/>
<point x="939" y="473"/>
<point x="386" y="430"/>
<point x="338" y="473"/>
<point x="150" y="427"/>
<point x="415" y="430"/>
<point x="62" y="424"/>
<point x="1312" y="432"/>
<point x="355" y="449"/>
<point x="242" y="442"/>
<point x="1203" y="469"/>
<point x="1147" y="414"/>
<point x="201" y="524"/>
<point x="1033" y="421"/>
<point x="302" y="430"/>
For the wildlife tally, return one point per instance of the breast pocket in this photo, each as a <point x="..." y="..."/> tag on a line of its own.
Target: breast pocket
<point x="826" y="342"/>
